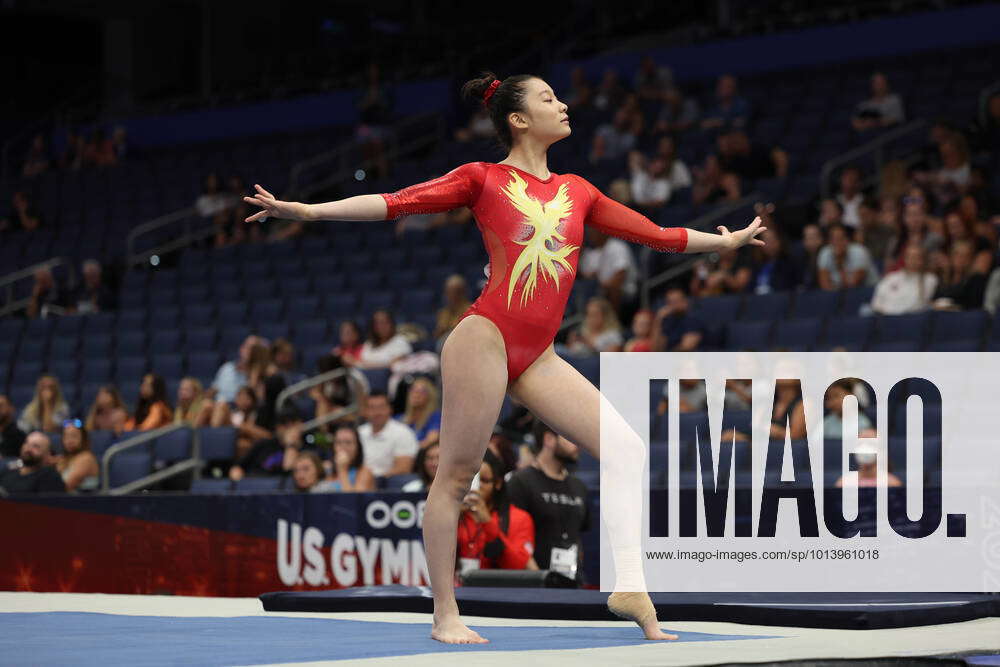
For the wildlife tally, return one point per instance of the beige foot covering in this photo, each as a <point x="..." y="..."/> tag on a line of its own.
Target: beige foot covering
<point x="636" y="607"/>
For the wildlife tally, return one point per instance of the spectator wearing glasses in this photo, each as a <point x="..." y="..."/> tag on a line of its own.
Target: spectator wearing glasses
<point x="77" y="464"/>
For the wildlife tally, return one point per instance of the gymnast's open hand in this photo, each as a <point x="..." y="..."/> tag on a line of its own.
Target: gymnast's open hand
<point x="745" y="236"/>
<point x="274" y="208"/>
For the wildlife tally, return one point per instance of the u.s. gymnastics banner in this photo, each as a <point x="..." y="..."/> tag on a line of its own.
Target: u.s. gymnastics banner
<point x="804" y="471"/>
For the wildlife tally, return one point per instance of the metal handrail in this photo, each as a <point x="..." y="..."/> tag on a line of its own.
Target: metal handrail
<point x="984" y="97"/>
<point x="874" y="146"/>
<point x="142" y="439"/>
<point x="8" y="281"/>
<point x="307" y="384"/>
<point x="699" y="223"/>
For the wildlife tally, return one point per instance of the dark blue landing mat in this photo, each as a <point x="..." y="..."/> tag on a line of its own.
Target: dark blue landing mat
<point x="852" y="611"/>
<point x="78" y="638"/>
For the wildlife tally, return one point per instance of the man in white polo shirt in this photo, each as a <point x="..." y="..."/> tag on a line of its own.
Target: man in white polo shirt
<point x="390" y="446"/>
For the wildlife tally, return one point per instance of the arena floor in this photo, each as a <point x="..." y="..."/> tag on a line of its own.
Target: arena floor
<point x="80" y="629"/>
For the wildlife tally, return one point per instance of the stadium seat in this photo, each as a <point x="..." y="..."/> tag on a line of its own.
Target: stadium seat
<point x="767" y="307"/>
<point x="212" y="486"/>
<point x="798" y="334"/>
<point x="217" y="444"/>
<point x="815" y="303"/>
<point x="174" y="446"/>
<point x="749" y="335"/>
<point x="261" y="484"/>
<point x="128" y="467"/>
<point x="851" y="333"/>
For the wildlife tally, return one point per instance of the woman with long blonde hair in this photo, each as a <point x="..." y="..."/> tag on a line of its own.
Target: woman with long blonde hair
<point x="47" y="408"/>
<point x="422" y="413"/>
<point x="601" y="331"/>
<point x="108" y="411"/>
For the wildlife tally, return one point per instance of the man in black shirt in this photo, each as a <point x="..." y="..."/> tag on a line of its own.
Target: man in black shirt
<point x="556" y="501"/>
<point x="34" y="476"/>
<point x="11" y="437"/>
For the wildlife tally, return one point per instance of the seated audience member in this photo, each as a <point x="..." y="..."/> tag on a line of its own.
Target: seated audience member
<point x="788" y="416"/>
<point x="152" y="411"/>
<point x="678" y="113"/>
<point x="610" y="91"/>
<point x="493" y="533"/>
<point x="11" y="437"/>
<point x="867" y="457"/>
<point x="844" y="264"/>
<point x="92" y="296"/>
<point x="338" y="393"/>
<point x="456" y="302"/>
<point x="642" y="332"/>
<point x="675" y="170"/>
<point x="351" y="342"/>
<point x="850" y="197"/>
<point x="692" y="397"/>
<point x="384" y="345"/>
<point x="389" y="445"/>
<point x="813" y="240"/>
<point x="955" y="175"/>
<point x="426" y="466"/>
<point x="47" y="409"/>
<point x="347" y="471"/>
<point x="275" y="455"/>
<point x="307" y="473"/>
<point x="741" y="160"/>
<point x="191" y="404"/>
<point x="711" y="185"/>
<point x="422" y="413"/>
<point x="45" y="293"/>
<point x="651" y="80"/>
<point x="882" y="109"/>
<point x="963" y="286"/>
<point x="244" y="416"/>
<point x="610" y="261"/>
<point x="23" y="216"/>
<point x="107" y="412"/>
<point x="600" y="331"/>
<point x="479" y="127"/>
<point x="77" y="464"/>
<point x="729" y="273"/>
<point x="872" y="233"/>
<point x="613" y="141"/>
<point x="908" y="290"/>
<point x="34" y="475"/>
<point x="649" y="183"/>
<point x="833" y="413"/>
<point x="730" y="109"/>
<point x="830" y="213"/>
<point x="282" y="358"/>
<point x="674" y="328"/>
<point x="233" y="374"/>
<point x="556" y="501"/>
<point x="775" y="270"/>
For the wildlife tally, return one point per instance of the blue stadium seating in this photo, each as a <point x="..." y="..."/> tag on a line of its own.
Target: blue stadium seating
<point x="217" y="444"/>
<point x="128" y="467"/>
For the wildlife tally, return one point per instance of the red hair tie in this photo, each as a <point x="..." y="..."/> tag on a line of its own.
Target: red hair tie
<point x="489" y="91"/>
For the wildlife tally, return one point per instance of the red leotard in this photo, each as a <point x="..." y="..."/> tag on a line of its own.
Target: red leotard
<point x="533" y="232"/>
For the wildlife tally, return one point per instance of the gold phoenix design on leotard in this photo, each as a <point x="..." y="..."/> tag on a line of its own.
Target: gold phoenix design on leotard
<point x="544" y="219"/>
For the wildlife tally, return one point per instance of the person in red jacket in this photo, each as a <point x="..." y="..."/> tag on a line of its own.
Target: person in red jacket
<point x="492" y="533"/>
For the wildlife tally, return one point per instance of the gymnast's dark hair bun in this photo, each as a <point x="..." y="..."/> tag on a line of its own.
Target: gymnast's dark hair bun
<point x="474" y="89"/>
<point x="505" y="100"/>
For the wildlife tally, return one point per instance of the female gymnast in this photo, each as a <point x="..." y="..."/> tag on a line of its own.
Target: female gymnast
<point x="532" y="222"/>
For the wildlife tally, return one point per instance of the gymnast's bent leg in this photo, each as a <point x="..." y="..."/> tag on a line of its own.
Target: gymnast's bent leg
<point x="570" y="405"/>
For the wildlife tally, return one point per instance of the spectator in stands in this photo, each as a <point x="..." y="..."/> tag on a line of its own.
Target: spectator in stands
<point x="389" y="445"/>
<point x="556" y="501"/>
<point x="678" y="113"/>
<point x="830" y="213"/>
<point x="11" y="437"/>
<point x="833" y="413"/>
<point x="963" y="285"/>
<point x="100" y="152"/>
<point x="307" y="474"/>
<point x="153" y="409"/>
<point x="844" y="264"/>
<point x="492" y="532"/>
<point x="600" y="331"/>
<point x="92" y="296"/>
<point x="788" y="416"/>
<point x="479" y="127"/>
<point x="968" y="208"/>
<point x="374" y="112"/>
<point x="674" y="328"/>
<point x="614" y="140"/>
<point x="351" y="342"/>
<point x="872" y="233"/>
<point x="958" y="227"/>
<point x="107" y="412"/>
<point x="77" y="464"/>
<point x="774" y="268"/>
<point x="37" y="159"/>
<point x="213" y="202"/>
<point x="908" y="290"/>
<point x="609" y="261"/>
<point x="729" y="273"/>
<point x="338" y="393"/>
<point x="581" y="93"/>
<point x="711" y="184"/>
<point x="850" y="197"/>
<point x="649" y="183"/>
<point x="35" y="475"/>
<point x="675" y="170"/>
<point x="282" y="362"/>
<point x="384" y="345"/>
<point x="233" y="374"/>
<point x="882" y="109"/>
<point x="47" y="409"/>
<point x="45" y="294"/>
<point x="610" y="91"/>
<point x="244" y="416"/>
<point x="422" y="411"/>
<point x="693" y="397"/>
<point x="915" y="230"/>
<point x="191" y="404"/>
<point x="347" y="471"/>
<point x="955" y="174"/>
<point x="651" y="80"/>
<point x="730" y="110"/>
<point x="23" y="214"/>
<point x="275" y="455"/>
<point x="456" y="302"/>
<point x="425" y="465"/>
<point x="740" y="160"/>
<point x="866" y="455"/>
<point x="813" y="240"/>
<point x="642" y="332"/>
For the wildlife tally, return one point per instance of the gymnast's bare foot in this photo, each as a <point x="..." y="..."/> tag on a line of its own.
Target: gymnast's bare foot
<point x="451" y="630"/>
<point x="639" y="608"/>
